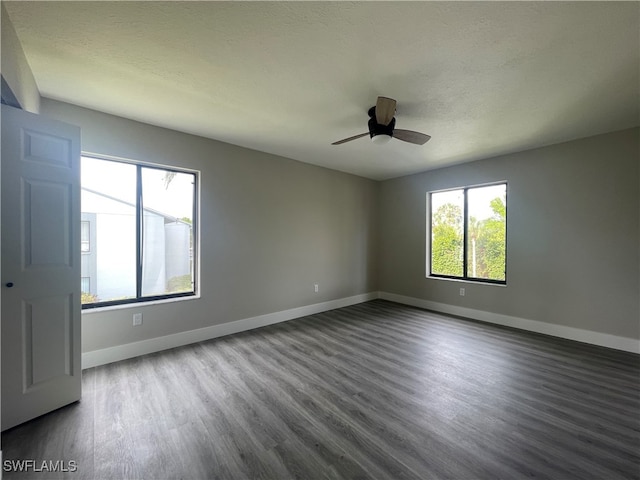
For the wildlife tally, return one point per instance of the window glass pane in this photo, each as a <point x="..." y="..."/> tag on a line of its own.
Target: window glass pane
<point x="167" y="260"/>
<point x="84" y="237"/>
<point x="447" y="233"/>
<point x="108" y="197"/>
<point x="487" y="228"/>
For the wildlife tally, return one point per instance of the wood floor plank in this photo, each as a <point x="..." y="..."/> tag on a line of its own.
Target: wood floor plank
<point x="372" y="391"/>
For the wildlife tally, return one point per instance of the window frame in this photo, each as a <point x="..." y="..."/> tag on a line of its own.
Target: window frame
<point x="139" y="209"/>
<point x="429" y="217"/>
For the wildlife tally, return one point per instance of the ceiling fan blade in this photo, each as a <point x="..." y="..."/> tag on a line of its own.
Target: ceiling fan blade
<point x="345" y="140"/>
<point x="385" y="110"/>
<point x="411" y="136"/>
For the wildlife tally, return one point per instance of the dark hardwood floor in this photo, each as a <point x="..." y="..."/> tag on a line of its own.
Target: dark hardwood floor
<point x="376" y="390"/>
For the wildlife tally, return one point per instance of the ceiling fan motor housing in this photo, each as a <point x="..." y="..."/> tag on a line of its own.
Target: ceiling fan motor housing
<point x="376" y="129"/>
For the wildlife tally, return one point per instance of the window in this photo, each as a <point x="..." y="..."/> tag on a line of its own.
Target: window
<point x="142" y="232"/>
<point x="468" y="233"/>
<point x="85" y="246"/>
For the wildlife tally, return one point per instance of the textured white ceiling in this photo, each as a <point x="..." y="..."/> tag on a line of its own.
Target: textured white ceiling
<point x="289" y="78"/>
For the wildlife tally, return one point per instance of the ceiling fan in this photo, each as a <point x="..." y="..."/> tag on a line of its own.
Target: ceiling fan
<point x="382" y="126"/>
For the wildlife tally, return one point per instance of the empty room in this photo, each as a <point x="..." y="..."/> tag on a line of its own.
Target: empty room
<point x="309" y="240"/>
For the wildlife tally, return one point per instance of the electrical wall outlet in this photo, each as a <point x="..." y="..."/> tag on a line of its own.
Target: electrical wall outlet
<point x="462" y="292"/>
<point x="137" y="319"/>
<point x="316" y="287"/>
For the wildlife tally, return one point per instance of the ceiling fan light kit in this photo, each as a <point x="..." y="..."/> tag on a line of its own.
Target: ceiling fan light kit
<point x="382" y="125"/>
<point x="380" y="134"/>
<point x="381" y="139"/>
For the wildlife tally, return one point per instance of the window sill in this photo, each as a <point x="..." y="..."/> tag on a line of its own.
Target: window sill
<point x="466" y="280"/>
<point x="138" y="305"/>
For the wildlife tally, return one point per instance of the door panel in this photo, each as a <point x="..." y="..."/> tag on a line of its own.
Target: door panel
<point x="47" y="224"/>
<point x="41" y="368"/>
<point x="48" y="338"/>
<point x="47" y="149"/>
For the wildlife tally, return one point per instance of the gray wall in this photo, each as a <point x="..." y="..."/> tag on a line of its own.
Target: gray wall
<point x="270" y="228"/>
<point x="573" y="247"/>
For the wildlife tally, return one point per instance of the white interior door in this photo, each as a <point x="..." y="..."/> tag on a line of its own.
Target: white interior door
<point x="41" y="368"/>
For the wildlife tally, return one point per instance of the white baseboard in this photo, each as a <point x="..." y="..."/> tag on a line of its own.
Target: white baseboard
<point x="122" y="352"/>
<point x="570" y="333"/>
<point x="135" y="349"/>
